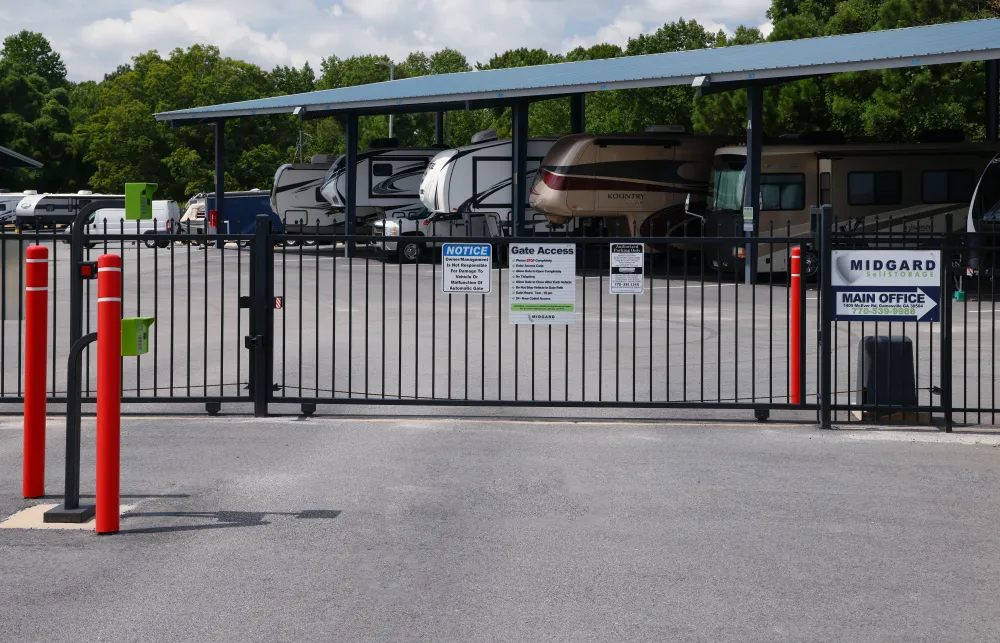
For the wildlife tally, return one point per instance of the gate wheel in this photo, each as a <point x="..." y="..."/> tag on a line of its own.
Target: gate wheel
<point x="762" y="415"/>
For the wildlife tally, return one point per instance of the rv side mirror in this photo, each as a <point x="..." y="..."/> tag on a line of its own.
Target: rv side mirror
<point x="687" y="208"/>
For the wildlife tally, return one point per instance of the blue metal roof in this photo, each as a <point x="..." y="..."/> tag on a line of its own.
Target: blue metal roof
<point x="10" y="158"/>
<point x="928" y="45"/>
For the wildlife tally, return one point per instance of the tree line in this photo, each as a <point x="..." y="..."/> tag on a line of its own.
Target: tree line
<point x="100" y="134"/>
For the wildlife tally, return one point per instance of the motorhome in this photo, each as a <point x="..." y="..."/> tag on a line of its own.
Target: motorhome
<point x="627" y="184"/>
<point x="471" y="187"/>
<point x="39" y="211"/>
<point x="388" y="177"/>
<point x="297" y="199"/>
<point x="872" y="187"/>
<point x="983" y="223"/>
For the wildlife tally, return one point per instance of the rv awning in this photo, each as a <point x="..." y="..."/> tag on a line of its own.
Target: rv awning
<point x="10" y="158"/>
<point x="725" y="67"/>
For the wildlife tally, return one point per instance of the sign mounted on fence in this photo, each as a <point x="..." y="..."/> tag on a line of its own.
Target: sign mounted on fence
<point x="627" y="262"/>
<point x="887" y="285"/>
<point x="466" y="267"/>
<point x="542" y="285"/>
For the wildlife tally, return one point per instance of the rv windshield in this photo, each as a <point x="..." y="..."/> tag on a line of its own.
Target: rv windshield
<point x="987" y="204"/>
<point x="727" y="182"/>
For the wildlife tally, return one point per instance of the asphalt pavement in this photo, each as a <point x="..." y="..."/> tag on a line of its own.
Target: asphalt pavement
<point x="428" y="529"/>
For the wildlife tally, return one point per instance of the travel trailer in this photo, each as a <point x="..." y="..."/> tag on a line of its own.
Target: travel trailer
<point x="240" y="211"/>
<point x="473" y="183"/>
<point x="297" y="199"/>
<point x="872" y="187"/>
<point x="40" y="211"/>
<point x="627" y="184"/>
<point x="8" y="204"/>
<point x="388" y="177"/>
<point x="983" y="221"/>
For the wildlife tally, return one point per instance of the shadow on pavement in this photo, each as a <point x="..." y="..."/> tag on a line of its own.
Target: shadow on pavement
<point x="224" y="519"/>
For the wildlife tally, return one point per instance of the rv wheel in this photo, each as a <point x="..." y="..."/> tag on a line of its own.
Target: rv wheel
<point x="410" y="251"/>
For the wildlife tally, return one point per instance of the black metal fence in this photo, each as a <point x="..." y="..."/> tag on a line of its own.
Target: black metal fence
<point x="319" y="325"/>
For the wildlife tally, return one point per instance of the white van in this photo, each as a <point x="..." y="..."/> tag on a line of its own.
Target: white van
<point x="166" y="216"/>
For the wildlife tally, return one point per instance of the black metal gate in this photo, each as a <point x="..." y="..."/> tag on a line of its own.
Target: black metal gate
<point x="318" y="324"/>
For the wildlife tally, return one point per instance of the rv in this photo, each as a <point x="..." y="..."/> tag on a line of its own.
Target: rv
<point x="983" y="222"/>
<point x="388" y="177"/>
<point x="872" y="187"/>
<point x="471" y="187"/>
<point x="8" y="204"/>
<point x="240" y="211"/>
<point x="297" y="199"/>
<point x="627" y="184"/>
<point x="39" y="211"/>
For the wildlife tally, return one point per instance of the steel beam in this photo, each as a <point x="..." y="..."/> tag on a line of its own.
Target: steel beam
<point x="351" y="162"/>
<point x="751" y="196"/>
<point x="992" y="91"/>
<point x="220" y="181"/>
<point x="439" y="128"/>
<point x="519" y="168"/>
<point x="577" y="113"/>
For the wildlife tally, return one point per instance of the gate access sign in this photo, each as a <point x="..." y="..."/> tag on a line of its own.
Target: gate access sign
<point x="887" y="285"/>
<point x="542" y="285"/>
<point x="466" y="267"/>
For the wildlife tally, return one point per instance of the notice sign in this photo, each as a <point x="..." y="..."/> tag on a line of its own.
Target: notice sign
<point x="887" y="285"/>
<point x="627" y="262"/>
<point x="466" y="267"/>
<point x="542" y="287"/>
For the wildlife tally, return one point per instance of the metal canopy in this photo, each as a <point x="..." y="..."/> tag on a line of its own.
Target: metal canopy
<point x="928" y="45"/>
<point x="9" y="158"/>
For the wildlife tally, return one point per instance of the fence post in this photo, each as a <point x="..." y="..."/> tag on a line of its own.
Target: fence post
<point x="36" y="325"/>
<point x="109" y="376"/>
<point x="946" y="310"/>
<point x="824" y="232"/>
<point x="261" y="318"/>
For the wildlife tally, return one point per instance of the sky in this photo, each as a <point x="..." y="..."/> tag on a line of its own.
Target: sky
<point x="95" y="36"/>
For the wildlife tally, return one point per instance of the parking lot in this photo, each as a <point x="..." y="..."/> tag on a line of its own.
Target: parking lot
<point x="362" y="328"/>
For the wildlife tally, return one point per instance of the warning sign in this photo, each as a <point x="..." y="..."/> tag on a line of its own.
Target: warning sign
<point x="466" y="267"/>
<point x="542" y="287"/>
<point x="627" y="262"/>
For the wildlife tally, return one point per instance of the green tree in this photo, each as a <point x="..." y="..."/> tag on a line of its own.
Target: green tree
<point x="29" y="53"/>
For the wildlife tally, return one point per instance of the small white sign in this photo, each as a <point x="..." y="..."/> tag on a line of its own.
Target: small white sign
<point x="542" y="285"/>
<point x="748" y="218"/>
<point x="627" y="262"/>
<point x="466" y="267"/>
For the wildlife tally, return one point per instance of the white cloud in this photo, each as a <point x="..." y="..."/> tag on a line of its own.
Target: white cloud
<point x="96" y="36"/>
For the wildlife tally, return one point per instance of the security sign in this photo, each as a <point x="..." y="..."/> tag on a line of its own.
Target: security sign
<point x="466" y="267"/>
<point x="887" y="285"/>
<point x="627" y="261"/>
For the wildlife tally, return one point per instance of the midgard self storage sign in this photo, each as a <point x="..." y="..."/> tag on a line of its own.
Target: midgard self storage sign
<point x="626" y="268"/>
<point x="887" y="285"/>
<point x="466" y="267"/>
<point x="542" y="285"/>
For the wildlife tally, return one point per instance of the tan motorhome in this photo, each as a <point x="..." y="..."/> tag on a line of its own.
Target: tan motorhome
<point x="872" y="187"/>
<point x="626" y="184"/>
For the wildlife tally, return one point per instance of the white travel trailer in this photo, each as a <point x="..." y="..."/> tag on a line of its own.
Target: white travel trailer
<point x="40" y="211"/>
<point x="297" y="199"/>
<point x="8" y="204"/>
<point x="388" y="178"/>
<point x="474" y="182"/>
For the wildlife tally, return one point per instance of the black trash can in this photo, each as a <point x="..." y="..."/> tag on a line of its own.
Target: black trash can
<point x="885" y="372"/>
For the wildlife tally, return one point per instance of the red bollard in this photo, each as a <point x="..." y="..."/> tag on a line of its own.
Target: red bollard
<point x="795" y="341"/>
<point x="109" y="376"/>
<point x="36" y="326"/>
